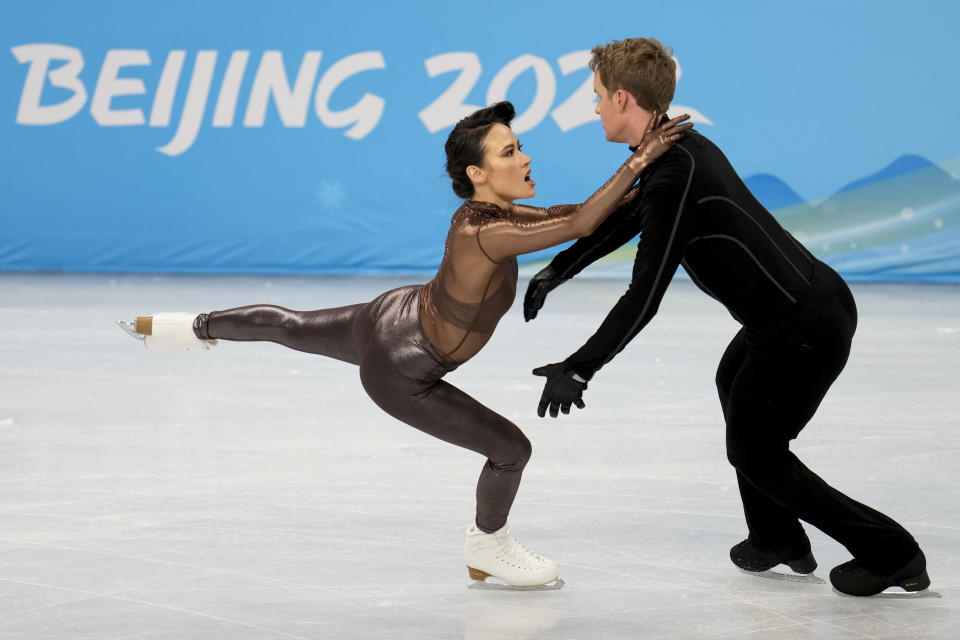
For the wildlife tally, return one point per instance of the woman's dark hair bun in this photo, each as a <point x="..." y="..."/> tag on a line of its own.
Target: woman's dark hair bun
<point x="464" y="145"/>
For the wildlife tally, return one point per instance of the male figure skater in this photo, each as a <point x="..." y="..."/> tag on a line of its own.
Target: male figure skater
<point x="798" y="320"/>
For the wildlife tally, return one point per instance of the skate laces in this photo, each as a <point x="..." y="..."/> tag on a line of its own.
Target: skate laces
<point x="511" y="549"/>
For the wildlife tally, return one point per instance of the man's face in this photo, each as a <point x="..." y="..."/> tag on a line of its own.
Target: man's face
<point x="622" y="118"/>
<point x="609" y="111"/>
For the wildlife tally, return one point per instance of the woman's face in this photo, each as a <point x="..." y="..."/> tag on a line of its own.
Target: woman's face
<point x="506" y="168"/>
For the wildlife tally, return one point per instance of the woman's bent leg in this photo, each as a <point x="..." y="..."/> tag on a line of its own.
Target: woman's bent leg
<point x="447" y="413"/>
<point x="401" y="372"/>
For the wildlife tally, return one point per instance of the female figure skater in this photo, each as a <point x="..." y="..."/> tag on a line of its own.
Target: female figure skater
<point x="407" y="339"/>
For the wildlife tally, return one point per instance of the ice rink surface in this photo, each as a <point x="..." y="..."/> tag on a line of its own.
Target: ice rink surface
<point x="254" y="492"/>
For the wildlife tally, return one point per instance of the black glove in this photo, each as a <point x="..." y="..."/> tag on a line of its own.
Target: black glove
<point x="540" y="285"/>
<point x="561" y="389"/>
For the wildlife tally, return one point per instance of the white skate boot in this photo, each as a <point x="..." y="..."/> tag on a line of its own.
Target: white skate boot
<point x="498" y="555"/>
<point x="166" y="331"/>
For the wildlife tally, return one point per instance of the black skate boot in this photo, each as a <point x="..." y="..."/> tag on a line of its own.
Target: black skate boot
<point x="853" y="579"/>
<point x="748" y="556"/>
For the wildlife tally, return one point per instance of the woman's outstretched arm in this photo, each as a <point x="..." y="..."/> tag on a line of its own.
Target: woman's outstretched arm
<point x="532" y="229"/>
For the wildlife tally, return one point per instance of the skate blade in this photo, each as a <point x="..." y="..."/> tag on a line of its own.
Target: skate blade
<point x="130" y="329"/>
<point x="492" y="584"/>
<point x="789" y="577"/>
<point x="895" y="595"/>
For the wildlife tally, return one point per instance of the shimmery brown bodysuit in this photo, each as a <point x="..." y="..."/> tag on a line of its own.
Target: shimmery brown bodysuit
<point x="405" y="340"/>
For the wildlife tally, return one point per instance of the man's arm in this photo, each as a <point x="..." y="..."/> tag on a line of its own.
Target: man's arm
<point x="614" y="232"/>
<point x="666" y="225"/>
<point x="530" y="229"/>
<point x="547" y="279"/>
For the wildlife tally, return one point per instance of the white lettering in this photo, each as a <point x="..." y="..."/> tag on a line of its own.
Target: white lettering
<point x="30" y="111"/>
<point x="367" y="111"/>
<point x="578" y="109"/>
<point x="271" y="84"/>
<point x="449" y="108"/>
<point x="230" y="89"/>
<point x="110" y="86"/>
<point x="167" y="89"/>
<point x="271" y="79"/>
<point x="677" y="110"/>
<point x="195" y="105"/>
<point x="546" y="90"/>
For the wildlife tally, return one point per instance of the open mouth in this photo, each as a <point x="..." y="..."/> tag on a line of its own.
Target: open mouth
<point x="529" y="180"/>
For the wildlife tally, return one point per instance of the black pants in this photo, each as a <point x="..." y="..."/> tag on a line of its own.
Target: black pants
<point x="401" y="372"/>
<point x="771" y="383"/>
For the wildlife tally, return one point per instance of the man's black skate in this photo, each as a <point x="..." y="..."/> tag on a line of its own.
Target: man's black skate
<point x="748" y="556"/>
<point x="853" y="579"/>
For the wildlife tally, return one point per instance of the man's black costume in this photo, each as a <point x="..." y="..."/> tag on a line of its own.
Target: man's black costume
<point x="798" y="320"/>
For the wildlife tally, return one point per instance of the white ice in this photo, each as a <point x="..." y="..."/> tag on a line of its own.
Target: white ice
<point x="255" y="492"/>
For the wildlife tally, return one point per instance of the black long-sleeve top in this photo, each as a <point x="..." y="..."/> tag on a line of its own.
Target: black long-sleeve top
<point x="693" y="209"/>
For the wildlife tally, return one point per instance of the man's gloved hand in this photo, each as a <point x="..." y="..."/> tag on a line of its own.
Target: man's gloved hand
<point x="540" y="285"/>
<point x="562" y="388"/>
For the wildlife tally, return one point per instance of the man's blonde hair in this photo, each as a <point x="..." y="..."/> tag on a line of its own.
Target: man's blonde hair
<point x="641" y="66"/>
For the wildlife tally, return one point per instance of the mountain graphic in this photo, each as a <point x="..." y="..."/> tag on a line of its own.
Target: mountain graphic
<point x="902" y="165"/>
<point x="909" y="199"/>
<point x="774" y="193"/>
<point x="771" y="191"/>
<point x="900" y="222"/>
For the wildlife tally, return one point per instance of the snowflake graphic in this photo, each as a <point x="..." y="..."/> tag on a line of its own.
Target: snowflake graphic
<point x="329" y="194"/>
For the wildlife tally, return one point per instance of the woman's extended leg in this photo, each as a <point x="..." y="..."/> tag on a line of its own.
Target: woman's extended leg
<point x="326" y="332"/>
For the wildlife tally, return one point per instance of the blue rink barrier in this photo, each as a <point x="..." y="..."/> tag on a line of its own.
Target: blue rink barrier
<point x="307" y="138"/>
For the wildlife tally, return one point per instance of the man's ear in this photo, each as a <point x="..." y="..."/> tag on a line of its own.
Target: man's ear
<point x="623" y="99"/>
<point x="476" y="174"/>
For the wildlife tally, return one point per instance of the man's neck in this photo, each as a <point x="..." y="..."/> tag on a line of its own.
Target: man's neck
<point x="636" y="127"/>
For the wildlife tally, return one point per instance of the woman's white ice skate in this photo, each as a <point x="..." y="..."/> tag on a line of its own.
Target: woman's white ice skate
<point x="497" y="561"/>
<point x="166" y="331"/>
